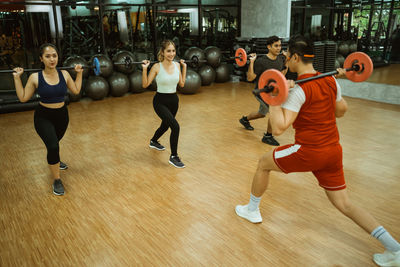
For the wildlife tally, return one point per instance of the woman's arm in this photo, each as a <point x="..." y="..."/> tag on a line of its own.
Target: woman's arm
<point x="182" y="74"/>
<point x="74" y="86"/>
<point x="148" y="79"/>
<point x="24" y="94"/>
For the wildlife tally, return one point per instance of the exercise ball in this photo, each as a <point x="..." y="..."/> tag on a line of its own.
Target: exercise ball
<point x="213" y="56"/>
<point x="119" y="58"/>
<point x="340" y="59"/>
<point x="194" y="52"/>
<point x="135" y="81"/>
<point x="139" y="57"/>
<point x="75" y="60"/>
<point x="76" y="98"/>
<point x="106" y="64"/>
<point x="223" y="73"/>
<point x="119" y="84"/>
<point x="344" y="49"/>
<point x="207" y="74"/>
<point x="352" y="47"/>
<point x="337" y="64"/>
<point x="153" y="86"/>
<point x="73" y="97"/>
<point x="192" y="83"/>
<point x="96" y="87"/>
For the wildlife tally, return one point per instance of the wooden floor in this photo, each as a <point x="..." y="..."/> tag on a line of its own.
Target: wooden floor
<point x="126" y="206"/>
<point x="387" y="75"/>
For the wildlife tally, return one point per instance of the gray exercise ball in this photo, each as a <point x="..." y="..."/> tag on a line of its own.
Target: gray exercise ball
<point x="119" y="84"/>
<point x="192" y="52"/>
<point x="213" y="56"/>
<point x="75" y="60"/>
<point x="207" y="74"/>
<point x="223" y="73"/>
<point x="192" y="83"/>
<point x="106" y="64"/>
<point x="96" y="87"/>
<point x="340" y="59"/>
<point x="119" y="58"/>
<point x="344" y="49"/>
<point x="153" y="86"/>
<point x="135" y="81"/>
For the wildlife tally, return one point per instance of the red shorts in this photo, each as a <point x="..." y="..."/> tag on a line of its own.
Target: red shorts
<point x="324" y="162"/>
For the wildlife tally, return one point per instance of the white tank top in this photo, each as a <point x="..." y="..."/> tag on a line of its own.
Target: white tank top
<point x="166" y="83"/>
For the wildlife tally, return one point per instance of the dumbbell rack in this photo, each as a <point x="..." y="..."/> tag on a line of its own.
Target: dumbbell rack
<point x="319" y="59"/>
<point x="330" y="56"/>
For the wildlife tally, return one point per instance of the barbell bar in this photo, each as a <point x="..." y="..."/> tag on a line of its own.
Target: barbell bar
<point x="274" y="88"/>
<point x="95" y="66"/>
<point x="127" y="61"/>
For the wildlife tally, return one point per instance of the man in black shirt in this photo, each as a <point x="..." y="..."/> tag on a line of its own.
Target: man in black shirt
<point x="273" y="60"/>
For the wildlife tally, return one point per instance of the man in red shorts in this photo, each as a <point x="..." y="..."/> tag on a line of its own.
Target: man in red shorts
<point x="312" y="108"/>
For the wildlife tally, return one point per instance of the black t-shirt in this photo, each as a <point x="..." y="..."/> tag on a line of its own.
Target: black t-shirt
<point x="264" y="63"/>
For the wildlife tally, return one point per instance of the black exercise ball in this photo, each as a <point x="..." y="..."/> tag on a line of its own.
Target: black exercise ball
<point x="119" y="84"/>
<point x="106" y="64"/>
<point x="74" y="60"/>
<point x="207" y="74"/>
<point x="223" y="73"/>
<point x="194" y="52"/>
<point x="96" y="87"/>
<point x="135" y="81"/>
<point x="213" y="56"/>
<point x="153" y="86"/>
<point x="119" y="57"/>
<point x="192" y="83"/>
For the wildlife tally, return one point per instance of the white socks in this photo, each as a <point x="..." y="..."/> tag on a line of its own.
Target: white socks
<point x="254" y="203"/>
<point x="386" y="239"/>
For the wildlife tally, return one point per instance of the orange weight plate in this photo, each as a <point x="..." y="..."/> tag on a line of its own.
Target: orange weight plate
<point x="276" y="79"/>
<point x="365" y="63"/>
<point x="241" y="57"/>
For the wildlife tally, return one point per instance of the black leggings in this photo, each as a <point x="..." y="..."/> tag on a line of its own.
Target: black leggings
<point x="51" y="124"/>
<point x="166" y="107"/>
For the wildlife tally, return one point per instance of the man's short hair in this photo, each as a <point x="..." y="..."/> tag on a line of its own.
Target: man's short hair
<point x="303" y="47"/>
<point x="272" y="39"/>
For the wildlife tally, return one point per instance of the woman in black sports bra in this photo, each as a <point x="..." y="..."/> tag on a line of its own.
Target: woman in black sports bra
<point x="51" y="115"/>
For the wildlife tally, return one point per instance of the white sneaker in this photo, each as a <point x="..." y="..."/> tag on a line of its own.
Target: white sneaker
<point x="252" y="216"/>
<point x="387" y="258"/>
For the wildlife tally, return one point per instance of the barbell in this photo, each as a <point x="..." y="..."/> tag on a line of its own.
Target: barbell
<point x="95" y="67"/>
<point x="127" y="61"/>
<point x="241" y="57"/>
<point x="274" y="89"/>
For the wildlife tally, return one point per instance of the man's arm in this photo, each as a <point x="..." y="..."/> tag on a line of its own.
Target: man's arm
<point x="340" y="108"/>
<point x="250" y="72"/>
<point x="281" y="119"/>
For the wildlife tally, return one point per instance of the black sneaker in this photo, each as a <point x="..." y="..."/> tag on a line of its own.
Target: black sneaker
<point x="176" y="161"/>
<point x="63" y="166"/>
<point x="270" y="140"/>
<point x="58" y="188"/>
<point x="246" y="124"/>
<point x="156" y="145"/>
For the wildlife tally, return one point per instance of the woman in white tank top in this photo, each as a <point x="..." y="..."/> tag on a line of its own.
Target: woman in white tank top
<point x="165" y="102"/>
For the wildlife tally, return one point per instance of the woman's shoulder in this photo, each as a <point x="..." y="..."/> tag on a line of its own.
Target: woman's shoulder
<point x="65" y="74"/>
